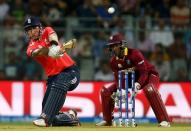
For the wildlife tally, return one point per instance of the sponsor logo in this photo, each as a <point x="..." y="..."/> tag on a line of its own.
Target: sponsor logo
<point x="73" y="81"/>
<point x="25" y="98"/>
<point x="141" y="62"/>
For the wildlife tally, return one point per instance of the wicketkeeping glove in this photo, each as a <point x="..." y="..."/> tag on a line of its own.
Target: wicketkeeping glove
<point x="115" y="97"/>
<point x="137" y="87"/>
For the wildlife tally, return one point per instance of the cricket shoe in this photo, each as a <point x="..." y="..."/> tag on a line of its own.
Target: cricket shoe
<point x="164" y="124"/>
<point x="40" y="122"/>
<point x="103" y="123"/>
<point x="74" y="115"/>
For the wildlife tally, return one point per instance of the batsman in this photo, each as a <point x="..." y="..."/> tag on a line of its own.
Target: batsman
<point x="147" y="79"/>
<point x="62" y="72"/>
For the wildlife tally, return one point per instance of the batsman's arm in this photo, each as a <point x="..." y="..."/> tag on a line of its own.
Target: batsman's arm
<point x="43" y="51"/>
<point x="40" y="52"/>
<point x="55" y="50"/>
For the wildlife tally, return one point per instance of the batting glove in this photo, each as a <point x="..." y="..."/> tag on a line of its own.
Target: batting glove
<point x="54" y="51"/>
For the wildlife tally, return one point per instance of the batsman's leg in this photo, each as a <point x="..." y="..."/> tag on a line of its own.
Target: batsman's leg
<point x="60" y="84"/>
<point x="46" y="94"/>
<point x="54" y="103"/>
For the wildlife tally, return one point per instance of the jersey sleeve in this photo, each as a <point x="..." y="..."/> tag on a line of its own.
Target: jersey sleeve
<point x="51" y="34"/>
<point x="49" y="31"/>
<point x="32" y="48"/>
<point x="141" y="67"/>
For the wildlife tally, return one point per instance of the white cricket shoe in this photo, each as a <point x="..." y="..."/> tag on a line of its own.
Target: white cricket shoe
<point x="103" y="123"/>
<point x="40" y="122"/>
<point x="164" y="124"/>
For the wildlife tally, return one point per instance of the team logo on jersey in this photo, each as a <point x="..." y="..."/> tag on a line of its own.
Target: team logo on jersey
<point x="141" y="62"/>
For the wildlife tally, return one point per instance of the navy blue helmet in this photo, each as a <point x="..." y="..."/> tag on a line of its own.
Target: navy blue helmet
<point x="31" y="22"/>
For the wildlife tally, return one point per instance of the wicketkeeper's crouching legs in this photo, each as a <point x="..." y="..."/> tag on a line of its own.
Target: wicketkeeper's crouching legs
<point x="107" y="104"/>
<point x="155" y="99"/>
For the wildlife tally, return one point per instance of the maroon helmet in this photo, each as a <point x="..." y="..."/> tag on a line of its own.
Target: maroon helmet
<point x="117" y="39"/>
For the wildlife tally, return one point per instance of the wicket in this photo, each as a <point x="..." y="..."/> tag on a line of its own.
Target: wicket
<point x="129" y="101"/>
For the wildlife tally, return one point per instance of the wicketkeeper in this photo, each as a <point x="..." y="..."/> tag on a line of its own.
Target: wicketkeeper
<point x="147" y="79"/>
<point x="62" y="71"/>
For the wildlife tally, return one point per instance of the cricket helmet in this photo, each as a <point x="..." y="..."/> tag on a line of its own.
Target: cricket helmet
<point x="31" y="22"/>
<point x="117" y="39"/>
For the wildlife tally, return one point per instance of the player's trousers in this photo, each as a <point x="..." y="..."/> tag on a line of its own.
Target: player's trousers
<point x="57" y="88"/>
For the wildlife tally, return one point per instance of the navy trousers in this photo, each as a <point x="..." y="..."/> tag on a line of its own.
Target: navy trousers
<point x="57" y="88"/>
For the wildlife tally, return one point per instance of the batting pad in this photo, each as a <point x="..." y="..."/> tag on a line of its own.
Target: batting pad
<point x="53" y="104"/>
<point x="156" y="103"/>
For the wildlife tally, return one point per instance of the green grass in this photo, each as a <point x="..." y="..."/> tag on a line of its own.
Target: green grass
<point x="91" y="127"/>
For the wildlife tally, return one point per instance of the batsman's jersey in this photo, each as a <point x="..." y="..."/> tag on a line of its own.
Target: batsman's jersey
<point x="51" y="66"/>
<point x="136" y="60"/>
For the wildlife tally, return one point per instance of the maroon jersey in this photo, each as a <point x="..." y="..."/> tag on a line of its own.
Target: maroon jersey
<point x="136" y="60"/>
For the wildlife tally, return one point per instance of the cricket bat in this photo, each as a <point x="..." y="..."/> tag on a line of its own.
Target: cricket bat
<point x="69" y="45"/>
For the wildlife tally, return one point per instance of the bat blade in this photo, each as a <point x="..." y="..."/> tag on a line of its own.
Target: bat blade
<point x="70" y="44"/>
